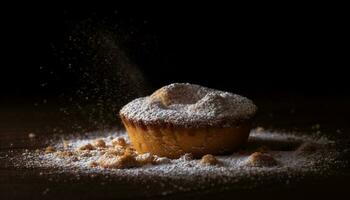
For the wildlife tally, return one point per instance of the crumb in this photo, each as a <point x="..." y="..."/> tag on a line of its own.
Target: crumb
<point x="65" y="153"/>
<point x="31" y="135"/>
<point x="115" y="152"/>
<point x="50" y="149"/>
<point x="65" y="144"/>
<point x="130" y="151"/>
<point x="86" y="154"/>
<point x="99" y="143"/>
<point x="119" y="142"/>
<point x="259" y="129"/>
<point x="161" y="160"/>
<point x="209" y="160"/>
<point x="187" y="157"/>
<point x="93" y="164"/>
<point x="307" y="148"/>
<point x="146" y="158"/>
<point x="259" y="159"/>
<point x="117" y="162"/>
<point x="37" y="150"/>
<point x="87" y="146"/>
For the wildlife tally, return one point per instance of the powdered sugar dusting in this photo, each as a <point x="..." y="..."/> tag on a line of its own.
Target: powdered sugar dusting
<point x="186" y="174"/>
<point x="188" y="105"/>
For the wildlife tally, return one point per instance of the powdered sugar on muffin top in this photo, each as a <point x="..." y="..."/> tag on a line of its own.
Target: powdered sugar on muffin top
<point x="190" y="105"/>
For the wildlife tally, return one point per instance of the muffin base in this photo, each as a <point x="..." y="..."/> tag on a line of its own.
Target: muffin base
<point x="173" y="142"/>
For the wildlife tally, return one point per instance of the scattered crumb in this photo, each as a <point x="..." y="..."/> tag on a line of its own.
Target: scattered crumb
<point x="117" y="162"/>
<point x="187" y="157"/>
<point x="50" y="149"/>
<point x="119" y="142"/>
<point x="146" y="158"/>
<point x="65" y="144"/>
<point x="240" y="169"/>
<point x="161" y="160"/>
<point x="307" y="148"/>
<point x="65" y="153"/>
<point x="259" y="159"/>
<point x="87" y="147"/>
<point x="259" y="129"/>
<point x="99" y="143"/>
<point x="93" y="164"/>
<point x="209" y="160"/>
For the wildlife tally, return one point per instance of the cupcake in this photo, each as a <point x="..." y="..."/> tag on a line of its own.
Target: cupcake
<point x="185" y="118"/>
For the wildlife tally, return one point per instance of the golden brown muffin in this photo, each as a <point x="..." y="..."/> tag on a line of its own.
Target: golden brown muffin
<point x="186" y="118"/>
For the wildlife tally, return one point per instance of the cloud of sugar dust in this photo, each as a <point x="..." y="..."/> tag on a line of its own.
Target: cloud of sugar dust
<point x="101" y="77"/>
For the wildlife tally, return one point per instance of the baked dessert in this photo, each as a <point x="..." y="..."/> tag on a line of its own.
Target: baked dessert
<point x="186" y="118"/>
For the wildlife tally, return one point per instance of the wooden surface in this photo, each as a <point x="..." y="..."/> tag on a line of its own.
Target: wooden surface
<point x="291" y="113"/>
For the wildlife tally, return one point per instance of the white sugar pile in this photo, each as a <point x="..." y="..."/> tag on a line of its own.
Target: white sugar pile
<point x="296" y="157"/>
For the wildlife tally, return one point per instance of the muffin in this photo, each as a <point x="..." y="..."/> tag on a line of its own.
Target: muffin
<point x="186" y="118"/>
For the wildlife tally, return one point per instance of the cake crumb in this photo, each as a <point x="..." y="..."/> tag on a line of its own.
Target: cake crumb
<point x="119" y="142"/>
<point x="130" y="151"/>
<point x="161" y="160"/>
<point x="50" y="149"/>
<point x="259" y="129"/>
<point x="117" y="162"/>
<point x="209" y="160"/>
<point x="307" y="148"/>
<point x="93" y="164"/>
<point x="259" y="159"/>
<point x="116" y="151"/>
<point x="233" y="170"/>
<point x="99" y="143"/>
<point x="87" y="147"/>
<point x="65" y="144"/>
<point x="65" y="153"/>
<point x="187" y="157"/>
<point x="146" y="158"/>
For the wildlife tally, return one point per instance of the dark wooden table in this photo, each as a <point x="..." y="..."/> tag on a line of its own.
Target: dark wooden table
<point x="292" y="113"/>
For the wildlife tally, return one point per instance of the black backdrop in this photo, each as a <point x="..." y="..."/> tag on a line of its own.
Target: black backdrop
<point x="249" y="51"/>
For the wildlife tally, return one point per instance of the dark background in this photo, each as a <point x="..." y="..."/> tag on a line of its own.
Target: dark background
<point x="69" y="69"/>
<point x="249" y="51"/>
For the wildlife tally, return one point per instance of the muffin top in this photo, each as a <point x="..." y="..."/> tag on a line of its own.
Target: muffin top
<point x="189" y="106"/>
